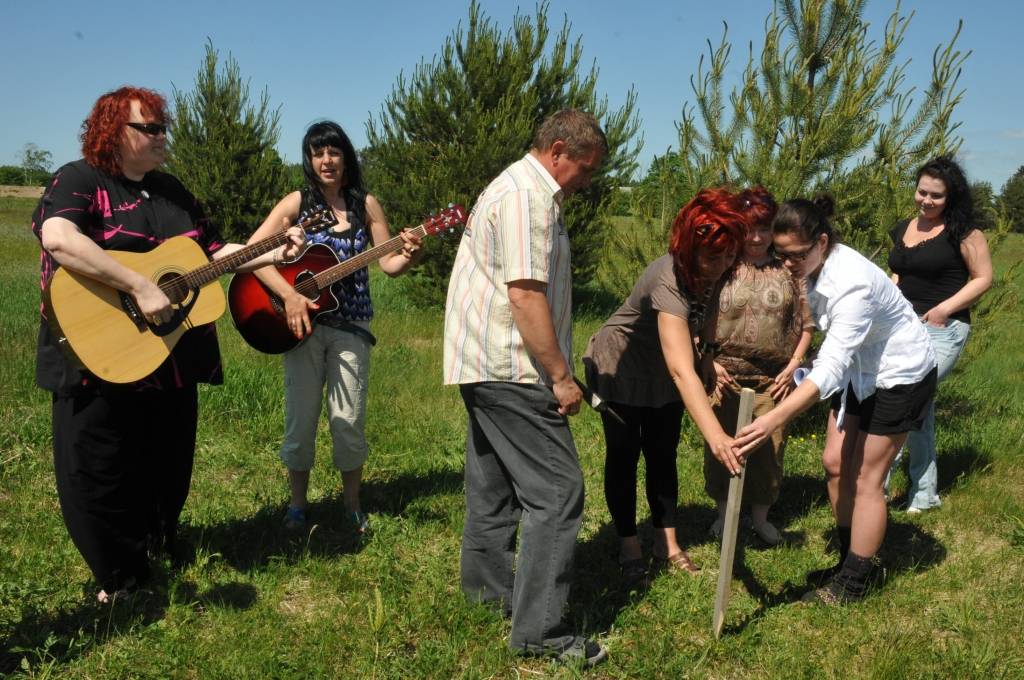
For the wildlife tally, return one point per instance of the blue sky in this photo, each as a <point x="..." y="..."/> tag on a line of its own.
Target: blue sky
<point x="340" y="60"/>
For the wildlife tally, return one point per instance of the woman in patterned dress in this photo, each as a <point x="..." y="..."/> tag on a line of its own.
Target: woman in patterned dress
<point x="763" y="332"/>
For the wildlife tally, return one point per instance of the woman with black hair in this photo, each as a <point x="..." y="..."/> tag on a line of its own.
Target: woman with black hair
<point x="877" y="364"/>
<point x="336" y="352"/>
<point x="941" y="263"/>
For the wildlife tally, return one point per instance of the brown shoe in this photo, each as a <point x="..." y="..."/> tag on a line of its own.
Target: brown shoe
<point x="678" y="562"/>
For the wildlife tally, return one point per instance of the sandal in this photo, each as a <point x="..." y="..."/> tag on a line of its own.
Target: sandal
<point x="678" y="562"/>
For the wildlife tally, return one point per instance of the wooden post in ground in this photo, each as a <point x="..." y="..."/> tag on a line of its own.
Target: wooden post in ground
<point x="732" y="521"/>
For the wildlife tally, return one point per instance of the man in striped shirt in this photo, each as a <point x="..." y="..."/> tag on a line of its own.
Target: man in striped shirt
<point x="508" y="345"/>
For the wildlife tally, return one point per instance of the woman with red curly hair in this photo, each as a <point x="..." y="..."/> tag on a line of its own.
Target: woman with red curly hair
<point x="643" y="361"/>
<point x="123" y="453"/>
<point x="764" y="329"/>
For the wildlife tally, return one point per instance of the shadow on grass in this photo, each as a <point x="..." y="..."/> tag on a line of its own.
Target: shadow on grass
<point x="251" y="542"/>
<point x="47" y="639"/>
<point x="953" y="465"/>
<point x="907" y="548"/>
<point x="599" y="591"/>
<point x="960" y="462"/>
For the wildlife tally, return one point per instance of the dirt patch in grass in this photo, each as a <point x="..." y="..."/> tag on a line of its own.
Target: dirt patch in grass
<point x="21" y="192"/>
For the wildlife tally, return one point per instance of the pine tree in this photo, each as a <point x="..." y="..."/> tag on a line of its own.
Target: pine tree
<point x="986" y="208"/>
<point x="1011" y="200"/>
<point x="222" y="148"/>
<point x="823" y="107"/>
<point x="444" y="133"/>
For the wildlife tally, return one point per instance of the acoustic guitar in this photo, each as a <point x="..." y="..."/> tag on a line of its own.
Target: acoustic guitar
<point x="259" y="314"/>
<point x="103" y="329"/>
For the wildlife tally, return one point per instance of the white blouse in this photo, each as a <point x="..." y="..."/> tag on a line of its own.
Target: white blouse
<point x="873" y="338"/>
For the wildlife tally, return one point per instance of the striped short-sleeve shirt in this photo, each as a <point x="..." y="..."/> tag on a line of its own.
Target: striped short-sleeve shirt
<point x="514" y="232"/>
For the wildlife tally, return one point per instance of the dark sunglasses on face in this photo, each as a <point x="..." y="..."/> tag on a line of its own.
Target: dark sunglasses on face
<point x="151" y="129"/>
<point x="792" y="257"/>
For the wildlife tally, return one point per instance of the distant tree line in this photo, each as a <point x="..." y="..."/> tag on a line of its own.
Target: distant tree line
<point x="821" y="106"/>
<point x="34" y="170"/>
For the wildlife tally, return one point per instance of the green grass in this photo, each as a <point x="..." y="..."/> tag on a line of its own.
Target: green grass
<point x="258" y="602"/>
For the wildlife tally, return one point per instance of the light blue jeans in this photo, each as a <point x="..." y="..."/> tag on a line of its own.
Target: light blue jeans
<point x="923" y="491"/>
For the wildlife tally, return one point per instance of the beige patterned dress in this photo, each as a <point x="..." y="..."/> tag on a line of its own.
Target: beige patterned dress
<point x="761" y="313"/>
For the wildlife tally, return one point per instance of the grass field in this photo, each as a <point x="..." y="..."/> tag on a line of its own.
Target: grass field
<point x="258" y="602"/>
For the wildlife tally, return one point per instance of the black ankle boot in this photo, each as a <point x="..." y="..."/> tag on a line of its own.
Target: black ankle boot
<point x="849" y="585"/>
<point x="820" y="577"/>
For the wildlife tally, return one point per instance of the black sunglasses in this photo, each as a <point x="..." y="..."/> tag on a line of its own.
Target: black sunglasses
<point x="792" y="257"/>
<point x="151" y="129"/>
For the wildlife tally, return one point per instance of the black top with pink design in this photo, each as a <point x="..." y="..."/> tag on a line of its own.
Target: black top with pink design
<point x="121" y="214"/>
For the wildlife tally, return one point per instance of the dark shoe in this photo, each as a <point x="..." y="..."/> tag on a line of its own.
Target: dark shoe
<point x="852" y="582"/>
<point x="294" y="518"/>
<point x="716" y="527"/>
<point x="680" y="562"/>
<point x="768" y="533"/>
<point x="835" y="593"/>
<point x="582" y="651"/>
<point x="634" y="573"/>
<point x="129" y="587"/>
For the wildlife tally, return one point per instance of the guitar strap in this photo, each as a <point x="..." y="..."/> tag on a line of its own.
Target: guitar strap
<point x="355" y="201"/>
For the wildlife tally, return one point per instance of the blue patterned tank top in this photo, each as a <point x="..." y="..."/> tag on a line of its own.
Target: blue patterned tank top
<point x="353" y="292"/>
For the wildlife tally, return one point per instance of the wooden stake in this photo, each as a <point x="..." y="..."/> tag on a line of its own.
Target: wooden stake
<point x="732" y="521"/>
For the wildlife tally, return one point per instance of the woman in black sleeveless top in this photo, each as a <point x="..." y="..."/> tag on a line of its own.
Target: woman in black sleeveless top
<point x="940" y="261"/>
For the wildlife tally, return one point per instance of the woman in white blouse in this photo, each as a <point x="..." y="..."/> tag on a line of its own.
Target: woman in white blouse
<point x="877" y="364"/>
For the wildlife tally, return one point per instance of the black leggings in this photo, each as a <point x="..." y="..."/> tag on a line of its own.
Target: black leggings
<point x="123" y="464"/>
<point x="655" y="433"/>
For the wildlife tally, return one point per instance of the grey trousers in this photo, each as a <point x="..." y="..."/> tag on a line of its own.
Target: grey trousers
<point x="522" y="469"/>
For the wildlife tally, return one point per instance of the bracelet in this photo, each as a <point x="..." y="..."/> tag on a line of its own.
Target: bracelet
<point x="798" y="358"/>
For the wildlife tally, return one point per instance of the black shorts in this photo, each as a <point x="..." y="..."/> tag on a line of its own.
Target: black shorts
<point x="900" y="408"/>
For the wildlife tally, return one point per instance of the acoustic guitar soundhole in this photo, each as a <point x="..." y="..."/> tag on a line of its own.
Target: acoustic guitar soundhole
<point x="175" y="288"/>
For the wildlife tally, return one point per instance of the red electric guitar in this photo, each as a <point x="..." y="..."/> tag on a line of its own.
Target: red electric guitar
<point x="258" y="313"/>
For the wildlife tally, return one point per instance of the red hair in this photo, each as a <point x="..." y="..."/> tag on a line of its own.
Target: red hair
<point x="103" y="130"/>
<point x="710" y="224"/>
<point x="758" y="205"/>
